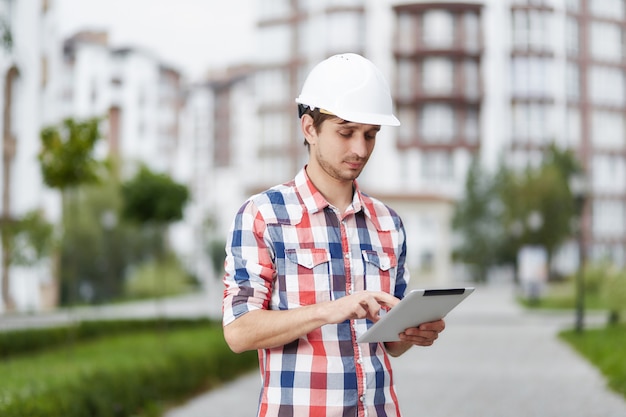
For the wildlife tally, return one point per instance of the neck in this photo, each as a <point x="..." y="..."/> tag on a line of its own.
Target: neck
<point x="338" y="193"/>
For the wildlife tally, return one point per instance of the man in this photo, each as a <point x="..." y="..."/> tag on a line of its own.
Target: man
<point x="310" y="263"/>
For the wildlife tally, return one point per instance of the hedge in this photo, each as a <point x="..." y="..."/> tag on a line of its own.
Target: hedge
<point x="28" y="341"/>
<point x="118" y="376"/>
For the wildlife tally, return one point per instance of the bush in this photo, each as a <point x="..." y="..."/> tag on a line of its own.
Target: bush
<point x="594" y="275"/>
<point x="158" y="278"/>
<point x="28" y="341"/>
<point x="120" y="375"/>
<point x="614" y="294"/>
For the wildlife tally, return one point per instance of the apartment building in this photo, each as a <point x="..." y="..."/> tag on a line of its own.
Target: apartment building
<point x="497" y="80"/>
<point x="46" y="79"/>
<point x="140" y="98"/>
<point x="29" y="62"/>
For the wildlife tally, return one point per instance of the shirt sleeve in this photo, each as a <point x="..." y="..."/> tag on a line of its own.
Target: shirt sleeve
<point x="249" y="265"/>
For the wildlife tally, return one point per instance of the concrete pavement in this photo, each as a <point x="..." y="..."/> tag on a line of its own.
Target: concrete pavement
<point x="494" y="360"/>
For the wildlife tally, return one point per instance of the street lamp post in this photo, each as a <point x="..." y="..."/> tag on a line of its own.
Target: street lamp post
<point x="579" y="189"/>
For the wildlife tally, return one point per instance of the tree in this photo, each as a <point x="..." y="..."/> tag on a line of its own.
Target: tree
<point x="476" y="222"/>
<point x="154" y="200"/>
<point x="25" y="241"/>
<point x="499" y="215"/>
<point x="538" y="206"/>
<point x="66" y="155"/>
<point x="67" y="162"/>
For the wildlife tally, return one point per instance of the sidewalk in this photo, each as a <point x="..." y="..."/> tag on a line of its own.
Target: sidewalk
<point x="493" y="360"/>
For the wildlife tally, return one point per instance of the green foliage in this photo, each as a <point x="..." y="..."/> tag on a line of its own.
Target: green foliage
<point x="66" y="154"/>
<point x="613" y="293"/>
<point x="119" y="375"/>
<point x="594" y="276"/>
<point x="475" y="219"/>
<point x="29" y="239"/>
<point x="605" y="349"/>
<point x="152" y="197"/>
<point x="158" y="278"/>
<point x="28" y="341"/>
<point x="499" y="215"/>
<point x="99" y="246"/>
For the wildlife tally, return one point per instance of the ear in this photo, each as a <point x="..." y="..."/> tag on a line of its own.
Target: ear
<point x="308" y="130"/>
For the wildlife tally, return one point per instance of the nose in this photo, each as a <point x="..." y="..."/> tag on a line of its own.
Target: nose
<point x="361" y="146"/>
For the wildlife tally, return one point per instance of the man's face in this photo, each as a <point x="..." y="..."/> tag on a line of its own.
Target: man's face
<point x="341" y="148"/>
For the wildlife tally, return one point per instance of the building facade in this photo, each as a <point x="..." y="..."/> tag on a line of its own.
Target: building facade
<point x="494" y="80"/>
<point x="46" y="79"/>
<point x="29" y="67"/>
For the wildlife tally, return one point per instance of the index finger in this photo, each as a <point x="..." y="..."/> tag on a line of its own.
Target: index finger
<point x="385" y="299"/>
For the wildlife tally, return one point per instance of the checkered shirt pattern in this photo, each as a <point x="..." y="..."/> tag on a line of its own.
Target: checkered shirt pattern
<point x="289" y="248"/>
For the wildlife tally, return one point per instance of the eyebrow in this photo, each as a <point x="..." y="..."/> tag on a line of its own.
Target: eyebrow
<point x="346" y="122"/>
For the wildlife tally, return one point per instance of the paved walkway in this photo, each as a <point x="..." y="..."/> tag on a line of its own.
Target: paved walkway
<point x="493" y="360"/>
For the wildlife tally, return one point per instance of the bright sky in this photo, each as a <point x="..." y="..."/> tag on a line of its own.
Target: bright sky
<point x="191" y="35"/>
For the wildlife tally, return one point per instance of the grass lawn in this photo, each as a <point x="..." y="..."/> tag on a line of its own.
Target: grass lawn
<point x="605" y="348"/>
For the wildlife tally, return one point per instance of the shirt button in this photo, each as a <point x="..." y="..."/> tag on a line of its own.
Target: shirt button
<point x="362" y="398"/>
<point x="347" y="255"/>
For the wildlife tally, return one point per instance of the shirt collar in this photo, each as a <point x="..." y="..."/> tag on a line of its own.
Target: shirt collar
<point x="314" y="201"/>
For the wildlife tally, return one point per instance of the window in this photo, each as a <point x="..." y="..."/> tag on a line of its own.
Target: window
<point x="273" y="86"/>
<point x="437" y="123"/>
<point x="531" y="29"/>
<point x="471" y="126"/>
<point x="406" y="78"/>
<point x="609" y="173"/>
<point x="275" y="129"/>
<point x="437" y="166"/>
<point x="531" y="123"/>
<point x="472" y="31"/>
<point x="572" y="36"/>
<point x="472" y="81"/>
<point x="608" y="129"/>
<point x="572" y="81"/>
<point x="606" y="86"/>
<point x="613" y="9"/>
<point x="438" y="29"/>
<point x="608" y="218"/>
<point x="438" y="76"/>
<point x="406" y="33"/>
<point x="408" y="121"/>
<point x="606" y="42"/>
<point x="531" y="76"/>
<point x="572" y="126"/>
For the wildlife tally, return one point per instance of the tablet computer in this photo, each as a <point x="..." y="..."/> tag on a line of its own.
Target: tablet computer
<point x="417" y="307"/>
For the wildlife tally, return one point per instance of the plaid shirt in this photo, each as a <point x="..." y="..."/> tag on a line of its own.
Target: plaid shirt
<point x="289" y="248"/>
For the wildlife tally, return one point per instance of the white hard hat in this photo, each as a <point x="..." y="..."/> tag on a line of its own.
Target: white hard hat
<point x="350" y="87"/>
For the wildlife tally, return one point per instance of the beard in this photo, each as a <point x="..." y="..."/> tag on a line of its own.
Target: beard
<point x="340" y="171"/>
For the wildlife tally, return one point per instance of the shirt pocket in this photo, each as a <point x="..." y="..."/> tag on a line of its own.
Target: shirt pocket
<point x="380" y="270"/>
<point x="307" y="276"/>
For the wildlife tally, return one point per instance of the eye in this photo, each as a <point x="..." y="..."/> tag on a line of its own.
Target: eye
<point x="345" y="133"/>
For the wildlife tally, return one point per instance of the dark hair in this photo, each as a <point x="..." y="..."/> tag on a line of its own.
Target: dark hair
<point x="317" y="116"/>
